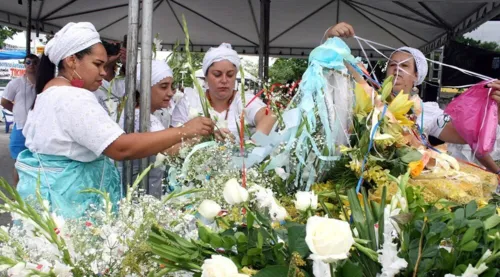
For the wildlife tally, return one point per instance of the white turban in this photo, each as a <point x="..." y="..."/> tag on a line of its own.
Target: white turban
<point x="217" y="54"/>
<point x="159" y="71"/>
<point x="420" y="62"/>
<point x="71" y="39"/>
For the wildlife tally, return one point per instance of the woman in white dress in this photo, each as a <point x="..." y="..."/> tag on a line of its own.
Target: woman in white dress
<point x="220" y="66"/>
<point x="161" y="97"/>
<point x="70" y="137"/>
<point x="409" y="68"/>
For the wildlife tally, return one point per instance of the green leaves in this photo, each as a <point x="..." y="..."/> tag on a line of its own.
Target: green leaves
<point x="273" y="271"/>
<point x="175" y="252"/>
<point x="297" y="240"/>
<point x="491" y="222"/>
<point x="204" y="101"/>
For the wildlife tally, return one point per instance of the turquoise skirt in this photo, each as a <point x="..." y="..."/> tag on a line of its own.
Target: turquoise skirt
<point x="62" y="180"/>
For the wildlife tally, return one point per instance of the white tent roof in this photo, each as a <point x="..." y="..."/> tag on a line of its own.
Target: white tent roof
<point x="296" y="26"/>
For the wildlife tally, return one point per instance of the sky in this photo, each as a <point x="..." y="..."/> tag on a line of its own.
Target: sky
<point x="487" y="32"/>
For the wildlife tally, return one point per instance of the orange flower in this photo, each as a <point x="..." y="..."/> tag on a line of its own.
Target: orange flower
<point x="416" y="168"/>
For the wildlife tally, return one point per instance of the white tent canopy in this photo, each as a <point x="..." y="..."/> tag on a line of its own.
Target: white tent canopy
<point x="296" y="26"/>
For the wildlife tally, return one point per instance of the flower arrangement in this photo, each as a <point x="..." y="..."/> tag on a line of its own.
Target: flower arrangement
<point x="264" y="208"/>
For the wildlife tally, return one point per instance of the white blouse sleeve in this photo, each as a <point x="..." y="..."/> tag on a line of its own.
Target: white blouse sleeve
<point x="433" y="118"/>
<point x="11" y="89"/>
<point x="180" y="114"/>
<point x="86" y="122"/>
<point x="252" y="110"/>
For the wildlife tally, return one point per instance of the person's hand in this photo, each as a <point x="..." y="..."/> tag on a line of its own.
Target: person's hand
<point x="123" y="55"/>
<point x="223" y="134"/>
<point x="199" y="126"/>
<point x="495" y="94"/>
<point x="342" y="30"/>
<point x="112" y="59"/>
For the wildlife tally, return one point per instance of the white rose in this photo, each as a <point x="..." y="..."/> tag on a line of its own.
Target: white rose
<point x="220" y="266"/>
<point x="277" y="212"/>
<point x="263" y="196"/>
<point x="193" y="113"/>
<point x="328" y="239"/>
<point x="282" y="173"/>
<point x="209" y="209"/>
<point x="305" y="200"/>
<point x="234" y="193"/>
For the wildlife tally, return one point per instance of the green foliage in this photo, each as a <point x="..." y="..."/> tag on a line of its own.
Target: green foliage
<point x="6" y="33"/>
<point x="487" y="45"/>
<point x="287" y="69"/>
<point x="178" y="60"/>
<point x="466" y="234"/>
<point x="364" y="219"/>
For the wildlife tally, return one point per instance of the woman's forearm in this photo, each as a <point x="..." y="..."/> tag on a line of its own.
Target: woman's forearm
<point x="141" y="145"/>
<point x="488" y="162"/>
<point x="264" y="122"/>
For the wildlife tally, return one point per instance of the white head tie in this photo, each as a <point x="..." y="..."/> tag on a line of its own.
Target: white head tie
<point x="420" y="62"/>
<point x="71" y="39"/>
<point x="159" y="71"/>
<point x="217" y="54"/>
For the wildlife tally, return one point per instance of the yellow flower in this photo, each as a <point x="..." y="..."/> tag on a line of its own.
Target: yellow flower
<point x="363" y="101"/>
<point x="399" y="107"/>
<point x="416" y="168"/>
<point x="344" y="149"/>
<point x="387" y="87"/>
<point x="249" y="271"/>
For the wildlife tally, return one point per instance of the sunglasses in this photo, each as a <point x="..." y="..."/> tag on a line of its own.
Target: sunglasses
<point x="30" y="62"/>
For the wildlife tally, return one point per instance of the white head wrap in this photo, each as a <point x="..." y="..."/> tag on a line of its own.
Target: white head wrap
<point x="159" y="71"/>
<point x="217" y="54"/>
<point x="420" y="62"/>
<point x="71" y="39"/>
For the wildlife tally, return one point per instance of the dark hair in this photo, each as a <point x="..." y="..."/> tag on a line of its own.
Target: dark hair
<point x="31" y="56"/>
<point x="112" y="49"/>
<point x="47" y="70"/>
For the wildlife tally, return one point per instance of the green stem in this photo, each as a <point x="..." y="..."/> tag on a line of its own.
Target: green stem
<point x="332" y="270"/>
<point x="327" y="211"/>
<point x="275" y="241"/>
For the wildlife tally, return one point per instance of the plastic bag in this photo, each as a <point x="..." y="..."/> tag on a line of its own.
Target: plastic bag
<point x="475" y="117"/>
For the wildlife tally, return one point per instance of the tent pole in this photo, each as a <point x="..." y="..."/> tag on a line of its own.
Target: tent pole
<point x="131" y="67"/>
<point x="145" y="103"/>
<point x="28" y="29"/>
<point x="265" y="7"/>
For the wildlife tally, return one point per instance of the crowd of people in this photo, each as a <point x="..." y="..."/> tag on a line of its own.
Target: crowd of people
<point x="68" y="133"/>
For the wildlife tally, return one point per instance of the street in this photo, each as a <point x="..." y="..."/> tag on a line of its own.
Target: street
<point x="6" y="166"/>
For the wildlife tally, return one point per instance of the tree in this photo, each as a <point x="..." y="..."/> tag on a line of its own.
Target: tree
<point x="6" y="33"/>
<point x="251" y="67"/>
<point x="487" y="45"/>
<point x="287" y="69"/>
<point x="177" y="60"/>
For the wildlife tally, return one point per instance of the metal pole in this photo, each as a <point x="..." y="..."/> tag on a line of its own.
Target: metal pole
<point x="265" y="8"/>
<point x="146" y="55"/>
<point x="131" y="68"/>
<point x="28" y="29"/>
